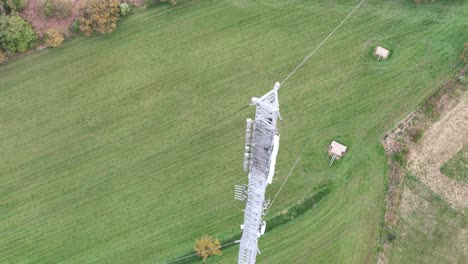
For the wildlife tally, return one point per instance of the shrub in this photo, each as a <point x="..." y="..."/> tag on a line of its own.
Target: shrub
<point x="2" y="57"/>
<point x="207" y="246"/>
<point x="400" y="156"/>
<point x="75" y="27"/>
<point x="99" y="16"/>
<point x="462" y="79"/>
<point x="390" y="237"/>
<point x="53" y="38"/>
<point x="125" y="9"/>
<point x="57" y="8"/>
<point x="15" y="5"/>
<point x="16" y="35"/>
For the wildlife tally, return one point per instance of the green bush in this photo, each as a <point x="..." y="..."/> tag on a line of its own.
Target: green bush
<point x="57" y="8"/>
<point x="400" y="156"/>
<point x="75" y="27"/>
<point x="125" y="9"/>
<point x="15" y="5"/>
<point x="462" y="79"/>
<point x="390" y="237"/>
<point x="16" y="34"/>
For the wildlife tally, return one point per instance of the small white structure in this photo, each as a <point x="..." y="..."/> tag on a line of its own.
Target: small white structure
<point x="381" y="52"/>
<point x="336" y="150"/>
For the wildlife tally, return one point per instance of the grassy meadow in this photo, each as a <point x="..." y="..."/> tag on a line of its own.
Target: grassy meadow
<point x="89" y="168"/>
<point x="429" y="230"/>
<point x="457" y="167"/>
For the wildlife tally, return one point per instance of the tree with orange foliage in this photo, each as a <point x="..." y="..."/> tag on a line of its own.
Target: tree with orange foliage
<point x="207" y="246"/>
<point x="53" y="38"/>
<point x="99" y="16"/>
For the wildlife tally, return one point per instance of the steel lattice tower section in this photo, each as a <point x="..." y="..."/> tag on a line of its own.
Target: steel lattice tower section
<point x="262" y="143"/>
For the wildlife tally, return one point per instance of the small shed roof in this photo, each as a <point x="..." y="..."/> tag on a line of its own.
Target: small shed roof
<point x="337" y="148"/>
<point x="382" y="52"/>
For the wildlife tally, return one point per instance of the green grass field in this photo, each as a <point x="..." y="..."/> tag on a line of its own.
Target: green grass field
<point x="429" y="230"/>
<point x="82" y="175"/>
<point x="457" y="167"/>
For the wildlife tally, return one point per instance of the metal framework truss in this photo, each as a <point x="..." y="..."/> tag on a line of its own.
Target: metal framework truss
<point x="261" y="151"/>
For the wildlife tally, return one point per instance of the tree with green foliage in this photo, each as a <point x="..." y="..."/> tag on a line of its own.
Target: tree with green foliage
<point x="57" y="8"/>
<point x="125" y="9"/>
<point x="15" y="5"/>
<point x="99" y="16"/>
<point x="75" y="26"/>
<point x="16" y="34"/>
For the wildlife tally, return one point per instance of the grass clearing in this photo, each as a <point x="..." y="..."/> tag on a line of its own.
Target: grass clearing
<point x="457" y="167"/>
<point x="81" y="126"/>
<point x="429" y="230"/>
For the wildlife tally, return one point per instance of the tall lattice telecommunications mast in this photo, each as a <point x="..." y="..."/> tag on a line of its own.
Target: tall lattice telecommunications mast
<point x="261" y="149"/>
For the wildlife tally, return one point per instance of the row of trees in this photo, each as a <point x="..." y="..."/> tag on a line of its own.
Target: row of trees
<point x="17" y="35"/>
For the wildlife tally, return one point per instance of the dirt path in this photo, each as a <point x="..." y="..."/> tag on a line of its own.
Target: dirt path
<point x="440" y="142"/>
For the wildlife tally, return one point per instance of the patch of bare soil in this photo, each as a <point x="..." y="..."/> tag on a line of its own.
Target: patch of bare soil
<point x="440" y="142"/>
<point x="41" y="23"/>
